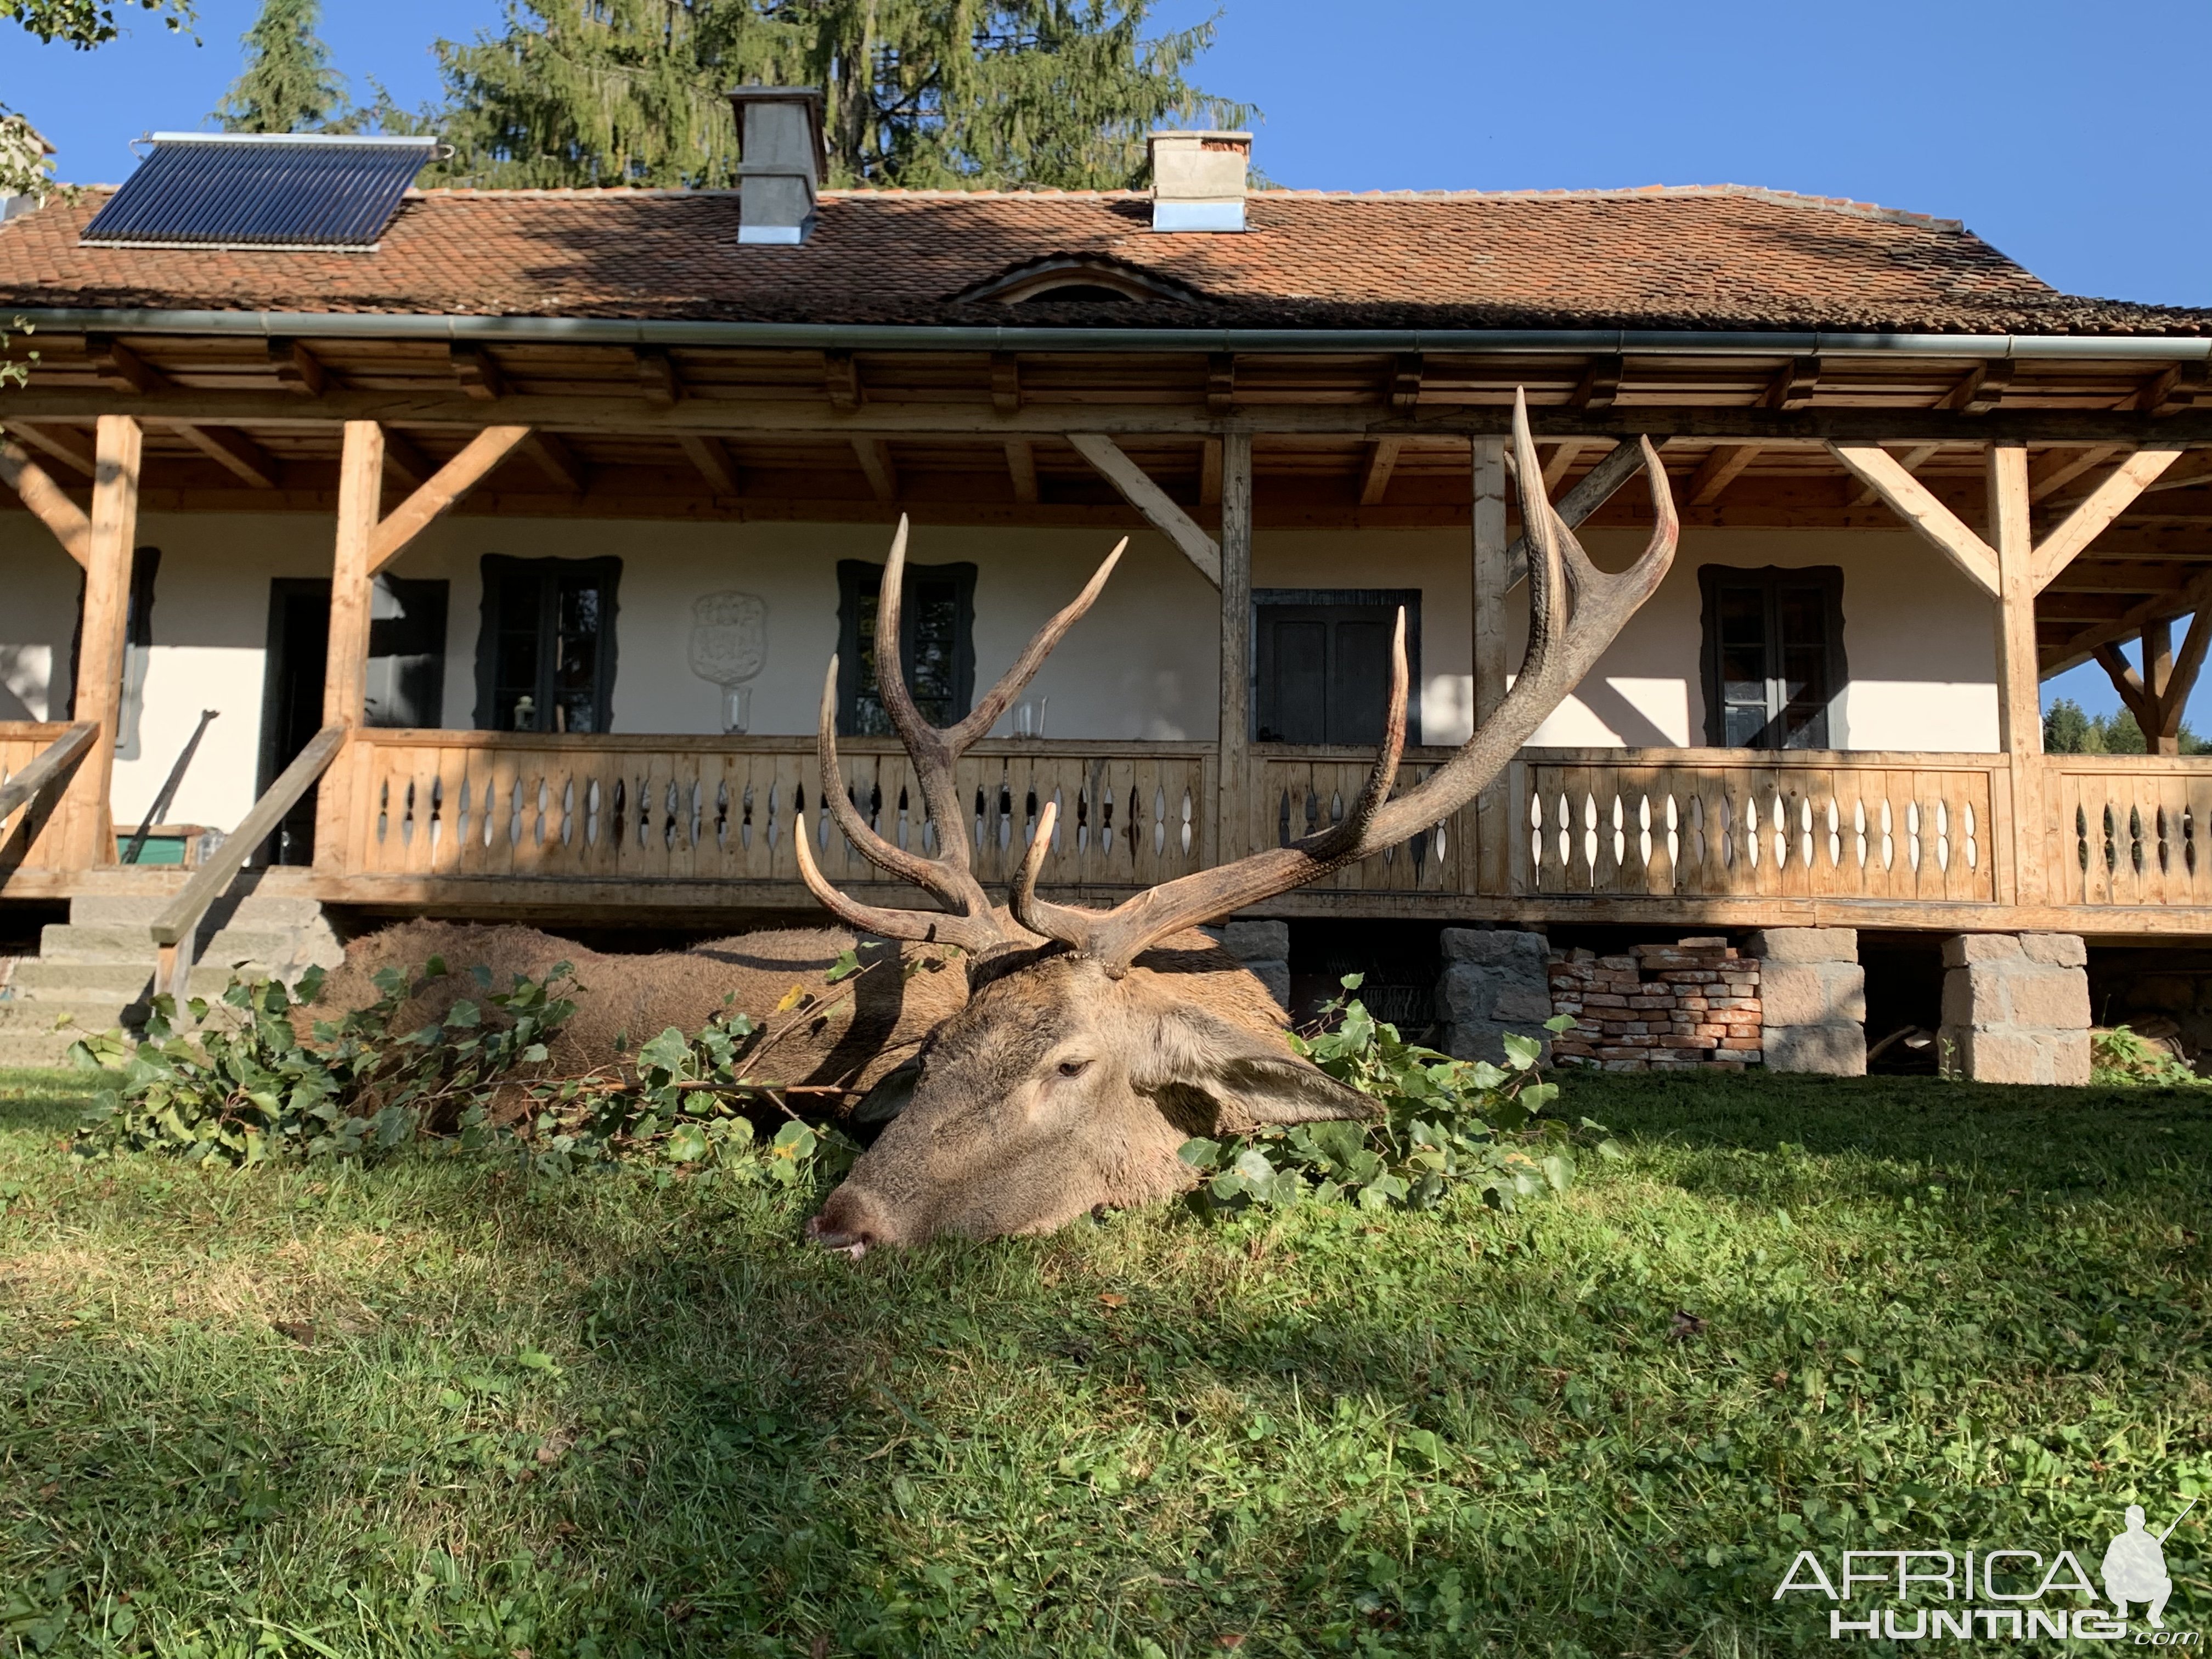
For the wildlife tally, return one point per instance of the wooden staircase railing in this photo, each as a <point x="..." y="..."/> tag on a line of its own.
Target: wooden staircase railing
<point x="52" y="765"/>
<point x="180" y="920"/>
<point x="55" y="759"/>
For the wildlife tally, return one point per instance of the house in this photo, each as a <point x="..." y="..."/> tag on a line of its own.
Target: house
<point x="527" y="522"/>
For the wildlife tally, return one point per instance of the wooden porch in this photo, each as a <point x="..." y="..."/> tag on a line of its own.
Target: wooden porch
<point x="2072" y="490"/>
<point x="658" y="828"/>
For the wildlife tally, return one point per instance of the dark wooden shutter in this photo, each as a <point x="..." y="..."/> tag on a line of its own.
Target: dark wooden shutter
<point x="1322" y="664"/>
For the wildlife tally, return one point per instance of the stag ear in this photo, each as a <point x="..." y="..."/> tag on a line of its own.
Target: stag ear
<point x="892" y="1094"/>
<point x="1249" y="1078"/>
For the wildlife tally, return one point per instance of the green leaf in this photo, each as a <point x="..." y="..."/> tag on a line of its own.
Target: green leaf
<point x="667" y="1052"/>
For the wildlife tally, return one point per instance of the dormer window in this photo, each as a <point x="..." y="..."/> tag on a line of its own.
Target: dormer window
<point x="1077" y="279"/>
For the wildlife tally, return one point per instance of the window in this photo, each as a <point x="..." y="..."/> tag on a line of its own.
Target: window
<point x="937" y="624"/>
<point x="1773" y="656"/>
<point x="137" y="649"/>
<point x="545" y="655"/>
<point x="1322" y="663"/>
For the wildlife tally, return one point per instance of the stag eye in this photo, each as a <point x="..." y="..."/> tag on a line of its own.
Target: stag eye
<point x="1074" y="1067"/>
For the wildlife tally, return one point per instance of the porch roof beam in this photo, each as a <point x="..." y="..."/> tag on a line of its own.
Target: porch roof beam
<point x="426" y="407"/>
<point x="1160" y="511"/>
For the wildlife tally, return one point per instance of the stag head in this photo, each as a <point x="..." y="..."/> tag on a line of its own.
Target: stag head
<point x="1094" y="1043"/>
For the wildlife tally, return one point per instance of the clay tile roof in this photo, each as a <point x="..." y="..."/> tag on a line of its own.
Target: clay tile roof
<point x="1722" y="257"/>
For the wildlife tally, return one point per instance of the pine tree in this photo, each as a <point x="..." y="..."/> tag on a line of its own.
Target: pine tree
<point x="921" y="94"/>
<point x="288" y="85"/>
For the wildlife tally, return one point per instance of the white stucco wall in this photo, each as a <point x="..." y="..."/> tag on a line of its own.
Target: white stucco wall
<point x="1919" y="642"/>
<point x="1917" y="638"/>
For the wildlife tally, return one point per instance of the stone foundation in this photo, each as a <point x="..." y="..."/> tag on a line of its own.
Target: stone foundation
<point x="1661" y="1007"/>
<point x="1494" y="982"/>
<point x="1812" y="995"/>
<point x="1264" y="947"/>
<point x="2015" y="1008"/>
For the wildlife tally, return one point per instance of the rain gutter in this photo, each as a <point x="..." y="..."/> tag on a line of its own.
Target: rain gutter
<point x="843" y="337"/>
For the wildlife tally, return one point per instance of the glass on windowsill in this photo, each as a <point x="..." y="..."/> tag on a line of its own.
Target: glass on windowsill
<point x="1028" y="719"/>
<point x="737" y="710"/>
<point x="526" y="713"/>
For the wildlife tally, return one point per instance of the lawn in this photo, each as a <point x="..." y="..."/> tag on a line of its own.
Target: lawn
<point x="438" y="1407"/>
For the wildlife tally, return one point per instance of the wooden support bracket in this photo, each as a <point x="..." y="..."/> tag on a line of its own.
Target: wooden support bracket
<point x="1148" y="498"/>
<point x="63" y="443"/>
<point x="55" y="510"/>
<point x="440" y="492"/>
<point x="1914" y="502"/>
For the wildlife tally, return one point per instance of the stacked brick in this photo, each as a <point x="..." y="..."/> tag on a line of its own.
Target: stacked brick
<point x="1660" y="1007"/>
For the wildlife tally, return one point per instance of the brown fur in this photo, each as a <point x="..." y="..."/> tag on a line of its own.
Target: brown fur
<point x="857" y="1029"/>
<point x="1000" y="1137"/>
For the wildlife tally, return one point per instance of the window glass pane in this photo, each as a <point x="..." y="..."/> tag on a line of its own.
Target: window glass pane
<point x="1803" y="616"/>
<point x="576" y="655"/>
<point x="514" y="670"/>
<point x="933" y="647"/>
<point x="1741" y="621"/>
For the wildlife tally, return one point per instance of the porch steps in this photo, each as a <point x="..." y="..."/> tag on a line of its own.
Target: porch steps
<point x="95" y="972"/>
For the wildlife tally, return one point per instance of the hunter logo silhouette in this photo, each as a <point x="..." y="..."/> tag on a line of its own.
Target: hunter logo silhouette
<point x="2134" y="1566"/>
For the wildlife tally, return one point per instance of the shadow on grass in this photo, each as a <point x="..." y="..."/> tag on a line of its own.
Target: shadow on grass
<point x="609" y="1415"/>
<point x="2041" y="1139"/>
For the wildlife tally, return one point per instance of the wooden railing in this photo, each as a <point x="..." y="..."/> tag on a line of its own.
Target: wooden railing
<point x="1591" y="824"/>
<point x="2127" y="829"/>
<point x="1745" y="824"/>
<point x="462" y="804"/>
<point x="173" y="929"/>
<point x="35" y="756"/>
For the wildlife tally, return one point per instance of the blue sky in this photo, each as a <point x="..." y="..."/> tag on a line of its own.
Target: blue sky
<point x="2050" y="129"/>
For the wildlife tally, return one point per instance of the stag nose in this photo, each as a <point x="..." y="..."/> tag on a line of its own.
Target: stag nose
<point x="850" y="1223"/>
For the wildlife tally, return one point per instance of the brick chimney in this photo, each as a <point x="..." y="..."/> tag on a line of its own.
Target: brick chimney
<point x="1197" y="179"/>
<point x="780" y="156"/>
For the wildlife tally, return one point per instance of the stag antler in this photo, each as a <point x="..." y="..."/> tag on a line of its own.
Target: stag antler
<point x="970" y="922"/>
<point x="1562" y="648"/>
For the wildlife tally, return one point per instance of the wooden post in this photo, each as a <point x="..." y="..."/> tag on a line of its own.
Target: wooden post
<point x="345" y="678"/>
<point x="1491" y="577"/>
<point x="2020" y="698"/>
<point x="88" y="839"/>
<point x="1233" y="823"/>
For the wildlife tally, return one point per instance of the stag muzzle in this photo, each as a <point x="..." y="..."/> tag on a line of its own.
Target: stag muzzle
<point x="852" y="1223"/>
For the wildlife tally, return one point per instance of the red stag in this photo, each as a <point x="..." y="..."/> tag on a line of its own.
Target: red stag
<point x="1094" y="1043"/>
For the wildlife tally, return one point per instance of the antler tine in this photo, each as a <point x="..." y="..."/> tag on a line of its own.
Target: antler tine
<point x="985" y="713"/>
<point x="1063" y="922"/>
<point x="926" y="746"/>
<point x="1564" y="641"/>
<point x="968" y="919"/>
<point x="964" y="894"/>
<point x="921" y="926"/>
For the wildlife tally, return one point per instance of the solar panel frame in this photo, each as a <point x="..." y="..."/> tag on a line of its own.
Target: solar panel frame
<point x="271" y="193"/>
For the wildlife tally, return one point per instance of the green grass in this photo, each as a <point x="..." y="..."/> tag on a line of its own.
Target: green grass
<point x="431" y="1409"/>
